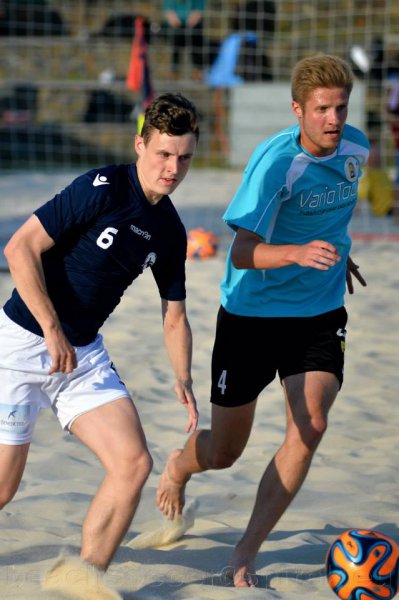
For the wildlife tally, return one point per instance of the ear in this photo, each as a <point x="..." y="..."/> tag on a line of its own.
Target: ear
<point x="138" y="144"/>
<point x="296" y="109"/>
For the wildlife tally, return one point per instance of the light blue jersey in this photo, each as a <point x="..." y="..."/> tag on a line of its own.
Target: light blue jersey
<point x="288" y="196"/>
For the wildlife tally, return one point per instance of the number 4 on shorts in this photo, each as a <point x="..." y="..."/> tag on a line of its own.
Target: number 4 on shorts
<point x="222" y="382"/>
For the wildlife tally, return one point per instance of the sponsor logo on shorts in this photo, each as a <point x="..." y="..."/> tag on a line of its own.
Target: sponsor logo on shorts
<point x="14" y="418"/>
<point x="342" y="334"/>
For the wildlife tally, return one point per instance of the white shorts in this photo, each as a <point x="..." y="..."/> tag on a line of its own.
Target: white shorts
<point x="26" y="386"/>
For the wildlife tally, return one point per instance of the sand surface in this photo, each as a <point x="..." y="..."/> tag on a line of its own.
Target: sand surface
<point x="353" y="481"/>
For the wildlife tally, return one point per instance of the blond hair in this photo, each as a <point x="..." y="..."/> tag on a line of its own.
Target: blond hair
<point x="321" y="71"/>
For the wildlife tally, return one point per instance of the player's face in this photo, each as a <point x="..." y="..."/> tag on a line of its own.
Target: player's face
<point x="322" y="119"/>
<point x="163" y="162"/>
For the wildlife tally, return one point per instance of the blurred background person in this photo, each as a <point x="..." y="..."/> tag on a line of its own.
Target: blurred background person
<point x="183" y="24"/>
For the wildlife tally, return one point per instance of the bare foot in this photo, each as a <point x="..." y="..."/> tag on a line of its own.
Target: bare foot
<point x="171" y="488"/>
<point x="241" y="572"/>
<point x="76" y="579"/>
<point x="169" y="532"/>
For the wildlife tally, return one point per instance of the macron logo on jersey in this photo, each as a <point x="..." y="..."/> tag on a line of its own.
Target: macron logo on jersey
<point x="100" y="180"/>
<point x="144" y="234"/>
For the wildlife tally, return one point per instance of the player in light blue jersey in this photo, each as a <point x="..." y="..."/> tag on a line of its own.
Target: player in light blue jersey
<point x="282" y="300"/>
<point x="286" y="195"/>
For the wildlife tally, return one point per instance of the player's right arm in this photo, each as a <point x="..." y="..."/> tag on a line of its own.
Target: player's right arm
<point x="249" y="251"/>
<point x="24" y="256"/>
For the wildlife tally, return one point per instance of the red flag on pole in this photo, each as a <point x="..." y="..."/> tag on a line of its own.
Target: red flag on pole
<point x="138" y="77"/>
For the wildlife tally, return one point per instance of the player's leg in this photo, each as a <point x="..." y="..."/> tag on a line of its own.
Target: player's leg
<point x="16" y="431"/>
<point x="217" y="448"/>
<point x="22" y="376"/>
<point x="311" y="367"/>
<point x="113" y="432"/>
<point x="309" y="397"/>
<point x="238" y="375"/>
<point x="12" y="465"/>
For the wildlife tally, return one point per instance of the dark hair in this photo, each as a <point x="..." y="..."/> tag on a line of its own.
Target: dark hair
<point x="172" y="114"/>
<point x="321" y="71"/>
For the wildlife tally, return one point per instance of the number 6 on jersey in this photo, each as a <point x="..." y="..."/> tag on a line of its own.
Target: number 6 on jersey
<point x="105" y="239"/>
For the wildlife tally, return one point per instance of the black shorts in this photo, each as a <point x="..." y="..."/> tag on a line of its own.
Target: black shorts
<point x="249" y="351"/>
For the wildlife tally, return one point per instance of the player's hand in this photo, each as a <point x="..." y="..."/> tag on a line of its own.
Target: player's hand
<point x="186" y="397"/>
<point x="353" y="270"/>
<point x="317" y="254"/>
<point x="62" y="353"/>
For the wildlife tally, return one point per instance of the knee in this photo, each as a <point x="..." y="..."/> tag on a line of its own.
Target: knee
<point x="312" y="432"/>
<point x="142" y="466"/>
<point x="134" y="470"/>
<point x="223" y="459"/>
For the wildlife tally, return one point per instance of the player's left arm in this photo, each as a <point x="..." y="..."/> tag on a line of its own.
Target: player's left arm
<point x="352" y="270"/>
<point x="178" y="341"/>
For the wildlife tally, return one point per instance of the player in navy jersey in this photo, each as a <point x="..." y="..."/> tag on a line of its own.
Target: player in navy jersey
<point x="71" y="263"/>
<point x="282" y="300"/>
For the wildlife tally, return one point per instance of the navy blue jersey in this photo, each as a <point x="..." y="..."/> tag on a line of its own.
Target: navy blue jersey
<point x="106" y="233"/>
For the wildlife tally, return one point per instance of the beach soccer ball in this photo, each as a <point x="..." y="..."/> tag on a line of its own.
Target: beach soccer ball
<point x="363" y="565"/>
<point x="201" y="243"/>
